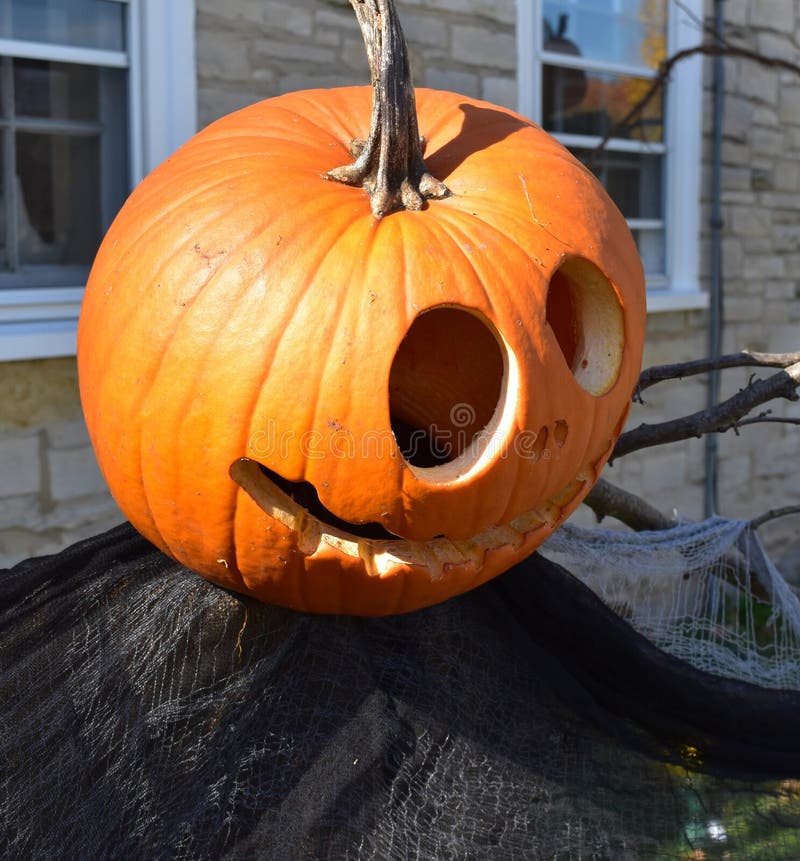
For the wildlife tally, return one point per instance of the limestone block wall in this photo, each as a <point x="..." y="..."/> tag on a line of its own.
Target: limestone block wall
<point x="469" y="46"/>
<point x="51" y="491"/>
<point x="253" y="49"/>
<point x="759" y="468"/>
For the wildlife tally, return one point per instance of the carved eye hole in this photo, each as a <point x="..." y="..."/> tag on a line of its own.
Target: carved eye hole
<point x="585" y="314"/>
<point x="447" y="381"/>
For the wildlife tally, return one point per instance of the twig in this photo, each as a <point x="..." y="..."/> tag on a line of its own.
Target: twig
<point x="608" y="500"/>
<point x="774" y="514"/>
<point x="764" y="419"/>
<point x="664" y="69"/>
<point x="745" y="359"/>
<point x="721" y="417"/>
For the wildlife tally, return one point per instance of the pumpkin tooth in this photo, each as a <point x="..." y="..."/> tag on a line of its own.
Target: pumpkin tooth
<point x="527" y="522"/>
<point x="500" y="536"/>
<point x="550" y="513"/>
<point x="472" y="552"/>
<point x="270" y="498"/>
<point x="348" y="546"/>
<point x="566" y="494"/>
<point x="430" y="561"/>
<point x="382" y="562"/>
<point x="385" y="561"/>
<point x="309" y="532"/>
<point x="448" y="552"/>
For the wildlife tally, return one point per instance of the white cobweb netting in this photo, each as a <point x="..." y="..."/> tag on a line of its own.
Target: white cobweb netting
<point x="705" y="592"/>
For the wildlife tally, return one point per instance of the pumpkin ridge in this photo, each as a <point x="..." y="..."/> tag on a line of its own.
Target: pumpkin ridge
<point x="320" y="209"/>
<point x="172" y="342"/>
<point x="149" y="512"/>
<point x="320" y="100"/>
<point x="513" y="215"/>
<point x="445" y="223"/>
<point x="501" y="238"/>
<point x="140" y="396"/>
<point x="290" y="310"/>
<point x="108" y="271"/>
<point x="145" y="426"/>
<point x="344" y="296"/>
<point x="438" y="231"/>
<point x="152" y="229"/>
<point x="142" y="198"/>
<point x="168" y="339"/>
<point x="452" y="231"/>
<point x="238" y="124"/>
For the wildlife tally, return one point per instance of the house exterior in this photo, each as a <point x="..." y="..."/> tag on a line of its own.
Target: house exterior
<point x="156" y="71"/>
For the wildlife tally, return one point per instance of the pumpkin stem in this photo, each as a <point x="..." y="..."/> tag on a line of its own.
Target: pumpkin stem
<point x="389" y="164"/>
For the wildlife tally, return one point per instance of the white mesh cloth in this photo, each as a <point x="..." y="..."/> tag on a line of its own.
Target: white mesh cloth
<point x="705" y="592"/>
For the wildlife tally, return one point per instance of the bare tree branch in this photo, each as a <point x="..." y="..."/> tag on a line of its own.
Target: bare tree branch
<point x="721" y="417"/>
<point x="708" y="49"/>
<point x="774" y="514"/>
<point x="608" y="500"/>
<point x="745" y="359"/>
<point x="762" y="419"/>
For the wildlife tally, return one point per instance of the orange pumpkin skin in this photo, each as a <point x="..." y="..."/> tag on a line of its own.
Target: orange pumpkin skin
<point x="243" y="306"/>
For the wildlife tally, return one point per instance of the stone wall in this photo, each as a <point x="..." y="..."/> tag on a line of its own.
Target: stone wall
<point x="469" y="46"/>
<point x="760" y="468"/>
<point x="253" y="49"/>
<point x="51" y="491"/>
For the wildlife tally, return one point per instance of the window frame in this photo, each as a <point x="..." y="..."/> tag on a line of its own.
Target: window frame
<point x="682" y="145"/>
<point x="41" y="322"/>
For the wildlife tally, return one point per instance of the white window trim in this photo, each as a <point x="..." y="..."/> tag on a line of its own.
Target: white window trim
<point x="682" y="146"/>
<point x="39" y="323"/>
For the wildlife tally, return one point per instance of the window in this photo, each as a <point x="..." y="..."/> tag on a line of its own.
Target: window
<point x="582" y="65"/>
<point x="93" y="94"/>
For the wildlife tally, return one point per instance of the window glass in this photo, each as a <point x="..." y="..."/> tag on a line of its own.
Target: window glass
<point x="79" y="23"/>
<point x="632" y="179"/>
<point x="57" y="90"/>
<point x="58" y="214"/>
<point x="3" y="226"/>
<point x="579" y="102"/>
<point x="64" y="138"/>
<point x="588" y="91"/>
<point x="651" y="247"/>
<point x="629" y="32"/>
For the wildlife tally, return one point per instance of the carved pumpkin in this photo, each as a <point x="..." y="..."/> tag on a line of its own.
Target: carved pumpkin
<point x="339" y="412"/>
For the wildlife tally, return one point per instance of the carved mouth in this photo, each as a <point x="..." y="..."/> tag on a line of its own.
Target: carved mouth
<point x="297" y="506"/>
<point x="305" y="495"/>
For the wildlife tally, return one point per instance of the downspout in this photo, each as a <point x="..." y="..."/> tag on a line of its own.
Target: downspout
<point x="711" y="490"/>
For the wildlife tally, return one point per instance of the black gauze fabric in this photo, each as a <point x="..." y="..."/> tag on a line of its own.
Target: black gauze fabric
<point x="148" y="714"/>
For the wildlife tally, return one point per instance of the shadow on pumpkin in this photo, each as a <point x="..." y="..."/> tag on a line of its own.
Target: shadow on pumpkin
<point x="482" y="128"/>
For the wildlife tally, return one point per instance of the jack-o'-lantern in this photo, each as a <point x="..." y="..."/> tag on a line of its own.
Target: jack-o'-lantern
<point x="342" y="401"/>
